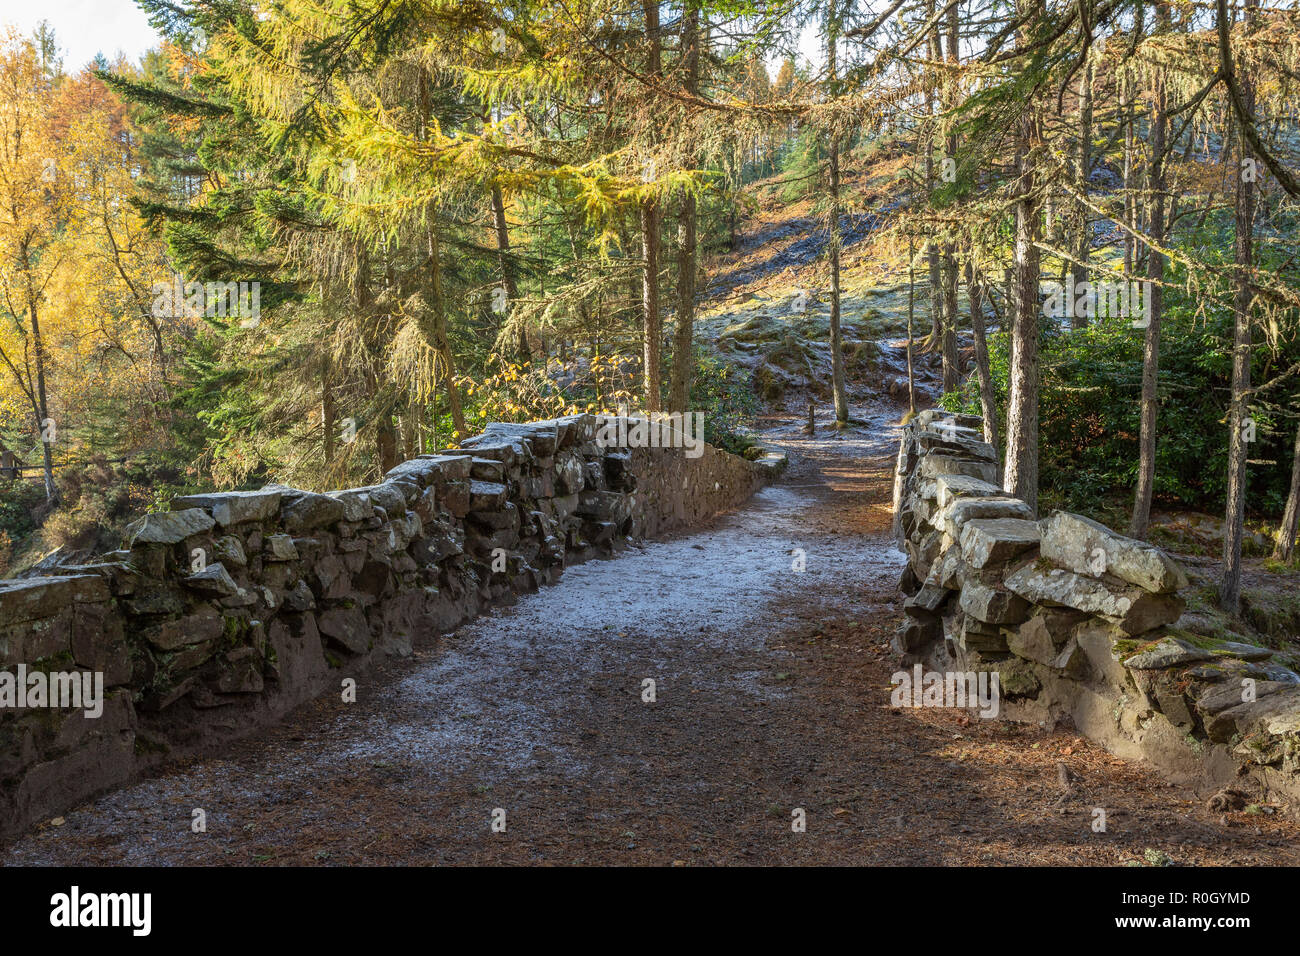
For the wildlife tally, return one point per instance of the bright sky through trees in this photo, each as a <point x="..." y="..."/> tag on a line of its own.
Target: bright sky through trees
<point x="86" y="27"/>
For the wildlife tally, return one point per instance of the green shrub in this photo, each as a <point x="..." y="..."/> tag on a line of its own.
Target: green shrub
<point x="726" y="396"/>
<point x="799" y="165"/>
<point x="22" y="504"/>
<point x="1090" y="410"/>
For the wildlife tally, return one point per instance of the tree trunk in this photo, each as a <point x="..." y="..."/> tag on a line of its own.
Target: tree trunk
<point x="651" y="327"/>
<point x="1083" y="238"/>
<point x="508" y="280"/>
<point x="408" y="432"/>
<point x="951" y="272"/>
<point x="386" y="444"/>
<point x="1285" y="548"/>
<point x="441" y="344"/>
<point x="833" y="246"/>
<point x="988" y="399"/>
<point x="1126" y="117"/>
<point x="1244" y="255"/>
<point x="934" y="269"/>
<point x="679" y="392"/>
<point x="650" y="321"/>
<point x="951" y="370"/>
<point x="328" y="412"/>
<point x="1021" y="475"/>
<point x="631" y="310"/>
<point x="435" y="333"/>
<point x="911" y="301"/>
<point x="932" y="247"/>
<point x="1132" y="175"/>
<point x="1155" y="274"/>
<point x="38" y="347"/>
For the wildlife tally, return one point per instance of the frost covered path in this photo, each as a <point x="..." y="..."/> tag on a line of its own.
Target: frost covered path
<point x="772" y="693"/>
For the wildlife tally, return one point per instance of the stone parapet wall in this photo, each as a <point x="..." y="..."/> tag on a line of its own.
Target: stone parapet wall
<point x="1083" y="626"/>
<point x="232" y="608"/>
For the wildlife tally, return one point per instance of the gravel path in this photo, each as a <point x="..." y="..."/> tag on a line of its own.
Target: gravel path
<point x="771" y="696"/>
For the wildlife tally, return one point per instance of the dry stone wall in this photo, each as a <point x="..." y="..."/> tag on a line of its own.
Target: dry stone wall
<point x="232" y="608"/>
<point x="1081" y="624"/>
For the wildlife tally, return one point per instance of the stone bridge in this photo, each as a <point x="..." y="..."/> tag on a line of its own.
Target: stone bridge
<point x="230" y="610"/>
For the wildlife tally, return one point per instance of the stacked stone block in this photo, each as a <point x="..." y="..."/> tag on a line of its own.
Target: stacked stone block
<point x="232" y="608"/>
<point x="1081" y="623"/>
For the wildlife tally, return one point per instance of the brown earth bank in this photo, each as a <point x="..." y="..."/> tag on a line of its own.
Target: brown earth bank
<point x="771" y="695"/>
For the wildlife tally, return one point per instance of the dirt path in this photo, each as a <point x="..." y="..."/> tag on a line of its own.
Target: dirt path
<point x="772" y="693"/>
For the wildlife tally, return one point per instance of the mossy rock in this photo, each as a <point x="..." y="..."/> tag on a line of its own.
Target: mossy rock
<point x="813" y="328"/>
<point x="862" y="357"/>
<point x="1203" y="641"/>
<point x="1273" y="612"/>
<point x="1125" y="648"/>
<point x="1017" y="679"/>
<point x="62" y="661"/>
<point x="756" y="328"/>
<point x="145" y="746"/>
<point x="768" y="384"/>
<point x="1205" y="618"/>
<point x="791" y="356"/>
